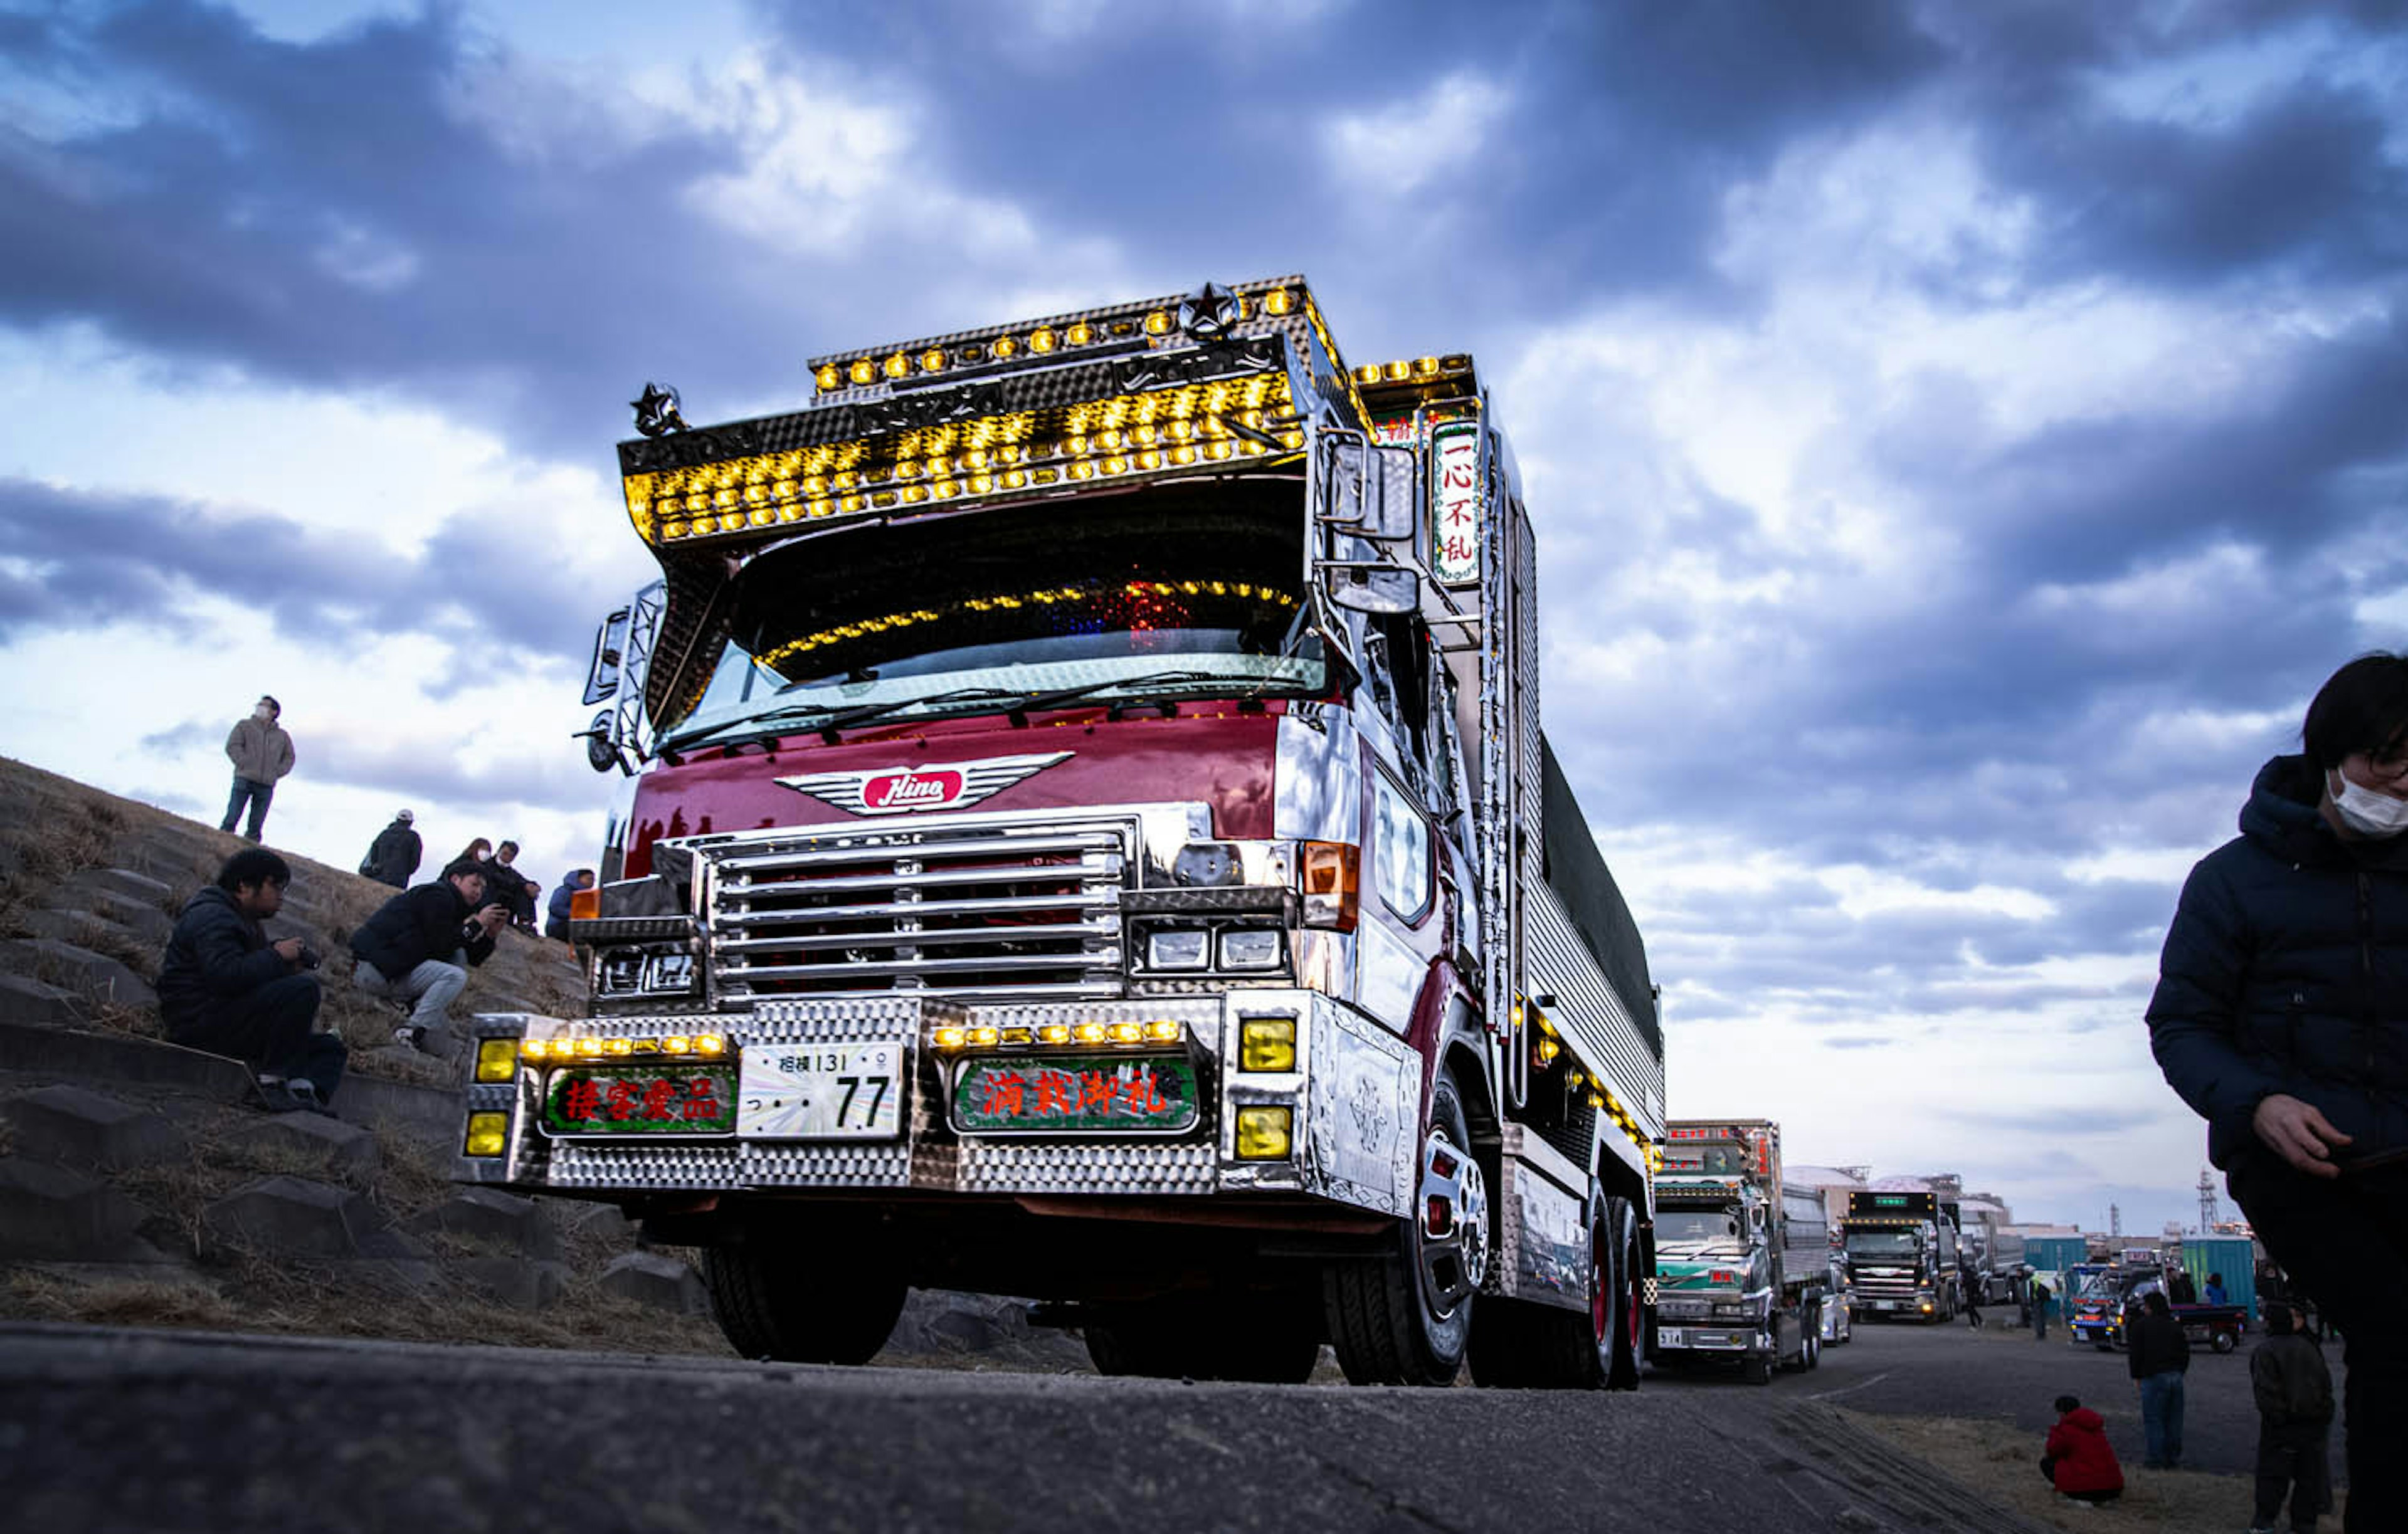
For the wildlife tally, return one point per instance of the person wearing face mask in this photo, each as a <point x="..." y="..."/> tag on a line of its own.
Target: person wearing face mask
<point x="261" y="752"/>
<point x="2281" y="1017"/>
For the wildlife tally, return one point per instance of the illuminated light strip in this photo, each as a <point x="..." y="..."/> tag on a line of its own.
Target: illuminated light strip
<point x="1172" y="427"/>
<point x="591" y="1048"/>
<point x="1043" y="597"/>
<point x="1038" y="339"/>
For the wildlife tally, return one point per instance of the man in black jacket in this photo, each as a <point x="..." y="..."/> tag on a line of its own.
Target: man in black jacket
<point x="225" y="989"/>
<point x="416" y="949"/>
<point x="394" y="856"/>
<point x="2281" y="1015"/>
<point x="2160" y="1356"/>
<point x="2295" y="1409"/>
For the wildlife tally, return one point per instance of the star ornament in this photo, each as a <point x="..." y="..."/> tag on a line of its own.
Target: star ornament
<point x="1208" y="313"/>
<point x="656" y="411"/>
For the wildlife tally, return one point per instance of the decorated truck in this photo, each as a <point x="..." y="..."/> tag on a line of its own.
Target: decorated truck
<point x="1087" y="835"/>
<point x="1742" y="1263"/>
<point x="1902" y="1248"/>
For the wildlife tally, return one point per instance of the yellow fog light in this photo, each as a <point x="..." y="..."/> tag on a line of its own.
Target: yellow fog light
<point x="498" y="1059"/>
<point x="951" y="1038"/>
<point x="1054" y="1033"/>
<point x="489" y="1134"/>
<point x="1266" y="1043"/>
<point x="709" y="1043"/>
<point x="1091" y="1032"/>
<point x="1162" y="1031"/>
<point x="1127" y="1032"/>
<point x="1263" y="1133"/>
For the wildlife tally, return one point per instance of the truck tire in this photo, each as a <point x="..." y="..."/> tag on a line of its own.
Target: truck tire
<point x="1404" y="1317"/>
<point x="1619" y="1232"/>
<point x="1756" y="1371"/>
<point x="774" y="1299"/>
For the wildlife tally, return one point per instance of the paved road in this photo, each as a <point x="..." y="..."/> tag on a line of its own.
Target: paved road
<point x="1951" y="1371"/>
<point x="106" y="1429"/>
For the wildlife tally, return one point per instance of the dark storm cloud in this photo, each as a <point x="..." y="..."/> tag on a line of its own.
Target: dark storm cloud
<point x="97" y="558"/>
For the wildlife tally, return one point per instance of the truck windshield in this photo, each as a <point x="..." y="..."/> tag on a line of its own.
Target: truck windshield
<point x="1882" y="1243"/>
<point x="1169" y="593"/>
<point x="1695" y="1227"/>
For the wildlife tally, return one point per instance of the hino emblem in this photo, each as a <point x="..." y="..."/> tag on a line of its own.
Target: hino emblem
<point x="900" y="790"/>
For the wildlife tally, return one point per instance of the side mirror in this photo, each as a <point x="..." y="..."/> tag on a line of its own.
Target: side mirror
<point x="1382" y="588"/>
<point x="601" y="752"/>
<point x="602" y="672"/>
<point x="1366" y="490"/>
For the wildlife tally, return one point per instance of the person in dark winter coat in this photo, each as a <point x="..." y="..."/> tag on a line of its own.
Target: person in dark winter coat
<point x="2160" y="1356"/>
<point x="2077" y="1460"/>
<point x="394" y="854"/>
<point x="2295" y="1410"/>
<point x="225" y="989"/>
<point x="507" y="885"/>
<point x="418" y="947"/>
<point x="2281" y="1016"/>
<point x="555" y="923"/>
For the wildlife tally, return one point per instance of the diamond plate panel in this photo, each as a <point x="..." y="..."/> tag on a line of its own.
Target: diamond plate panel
<point x="1018" y="1167"/>
<point x="576" y="1165"/>
<point x="826" y="1164"/>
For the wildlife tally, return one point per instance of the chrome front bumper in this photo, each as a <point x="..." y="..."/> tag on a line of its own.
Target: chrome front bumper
<point x="1353" y="1101"/>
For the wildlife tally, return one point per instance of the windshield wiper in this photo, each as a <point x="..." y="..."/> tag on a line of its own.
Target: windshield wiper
<point x="832" y="729"/>
<point x="751" y="728"/>
<point x="1037" y="702"/>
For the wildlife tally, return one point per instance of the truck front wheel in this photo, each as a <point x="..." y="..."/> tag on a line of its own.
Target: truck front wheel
<point x="1404" y="1317"/>
<point x="833" y="1302"/>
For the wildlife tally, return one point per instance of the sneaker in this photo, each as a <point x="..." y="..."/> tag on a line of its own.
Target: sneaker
<point x="406" y="1035"/>
<point x="303" y="1093"/>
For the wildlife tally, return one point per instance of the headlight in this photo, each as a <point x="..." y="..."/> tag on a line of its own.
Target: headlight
<point x="1177" y="948"/>
<point x="620" y="973"/>
<point x="1741" y="1311"/>
<point x="669" y="972"/>
<point x="1249" y="948"/>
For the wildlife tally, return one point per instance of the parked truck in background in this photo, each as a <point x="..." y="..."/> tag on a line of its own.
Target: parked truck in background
<point x="1088" y="835"/>
<point x="1741" y="1261"/>
<point x="1902" y="1253"/>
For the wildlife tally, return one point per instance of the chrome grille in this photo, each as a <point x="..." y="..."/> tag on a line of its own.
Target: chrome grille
<point x="977" y="912"/>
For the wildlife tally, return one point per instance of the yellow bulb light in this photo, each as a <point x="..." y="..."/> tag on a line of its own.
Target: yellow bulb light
<point x="1091" y="1033"/>
<point x="1162" y="1031"/>
<point x="498" y="1059"/>
<point x="950" y="1039"/>
<point x="986" y="1036"/>
<point x="589" y="1050"/>
<point x="532" y="1048"/>
<point x="1129" y="1032"/>
<point x="489" y="1134"/>
<point x="709" y="1043"/>
<point x="1266" y="1043"/>
<point x="1264" y="1134"/>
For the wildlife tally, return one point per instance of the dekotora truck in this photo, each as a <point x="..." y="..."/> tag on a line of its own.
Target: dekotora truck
<point x="1742" y="1263"/>
<point x="1087" y="834"/>
<point x="1901" y="1250"/>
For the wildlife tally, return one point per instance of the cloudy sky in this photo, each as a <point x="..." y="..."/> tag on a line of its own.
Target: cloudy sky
<point x="1962" y="435"/>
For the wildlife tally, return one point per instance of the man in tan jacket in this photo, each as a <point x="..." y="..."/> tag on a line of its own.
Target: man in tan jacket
<point x="262" y="752"/>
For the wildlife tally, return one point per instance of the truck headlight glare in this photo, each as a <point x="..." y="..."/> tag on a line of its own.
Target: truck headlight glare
<point x="1249" y="948"/>
<point x="1177" y="948"/>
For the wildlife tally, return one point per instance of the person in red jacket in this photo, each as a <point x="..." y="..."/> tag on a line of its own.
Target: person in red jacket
<point x="2078" y="1461"/>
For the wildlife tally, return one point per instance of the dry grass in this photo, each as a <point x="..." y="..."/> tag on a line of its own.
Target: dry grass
<point x="1999" y="1462"/>
<point x="117" y="1302"/>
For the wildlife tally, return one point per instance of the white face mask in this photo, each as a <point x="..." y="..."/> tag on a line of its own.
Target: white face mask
<point x="2367" y="813"/>
<point x="264" y="713"/>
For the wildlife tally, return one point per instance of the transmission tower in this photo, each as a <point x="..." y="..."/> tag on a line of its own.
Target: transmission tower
<point x="2206" y="1201"/>
<point x="2116" y="1221"/>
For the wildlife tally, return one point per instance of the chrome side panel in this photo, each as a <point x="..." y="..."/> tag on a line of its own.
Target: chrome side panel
<point x="1355" y="1095"/>
<point x="1543" y="1227"/>
<point x="1317" y="775"/>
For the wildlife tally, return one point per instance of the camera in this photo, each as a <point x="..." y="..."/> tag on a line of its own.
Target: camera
<point x="311" y="957"/>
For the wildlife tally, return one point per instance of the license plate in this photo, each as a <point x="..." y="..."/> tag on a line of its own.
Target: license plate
<point x="627" y="1100"/>
<point x="1672" y="1336"/>
<point x="1026" y="1094"/>
<point x="852" y="1091"/>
